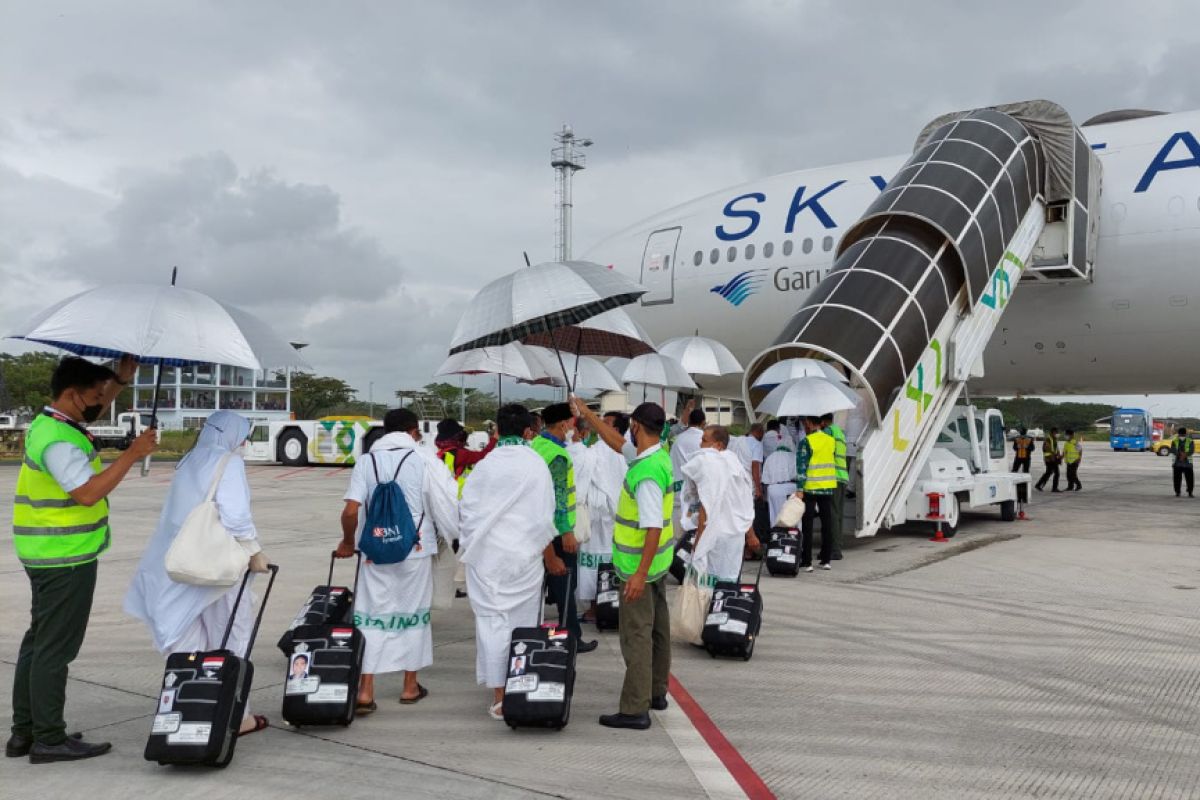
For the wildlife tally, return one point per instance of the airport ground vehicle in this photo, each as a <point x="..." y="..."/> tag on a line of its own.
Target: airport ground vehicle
<point x="8" y="422"/>
<point x="1131" y="429"/>
<point x="330" y="440"/>
<point x="128" y="426"/>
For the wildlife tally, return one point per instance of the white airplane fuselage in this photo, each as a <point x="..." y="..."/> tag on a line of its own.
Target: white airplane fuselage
<point x="1135" y="328"/>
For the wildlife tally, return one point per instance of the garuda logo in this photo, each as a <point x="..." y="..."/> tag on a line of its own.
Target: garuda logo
<point x="741" y="286"/>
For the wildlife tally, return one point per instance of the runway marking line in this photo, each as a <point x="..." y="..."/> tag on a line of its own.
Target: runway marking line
<point x="292" y="472"/>
<point x="738" y="767"/>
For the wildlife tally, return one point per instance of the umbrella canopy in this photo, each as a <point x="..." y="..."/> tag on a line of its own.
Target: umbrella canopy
<point x="656" y="369"/>
<point x="538" y="299"/>
<point x="797" y="368"/>
<point x="613" y="333"/>
<point x="700" y="355"/>
<point x="585" y="372"/>
<point x="807" y="397"/>
<point x="514" y="360"/>
<point x="160" y="324"/>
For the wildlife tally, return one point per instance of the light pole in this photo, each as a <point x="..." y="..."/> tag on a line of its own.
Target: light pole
<point x="566" y="160"/>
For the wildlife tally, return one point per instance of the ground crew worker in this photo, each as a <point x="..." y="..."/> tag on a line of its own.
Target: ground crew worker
<point x="642" y="554"/>
<point x="551" y="445"/>
<point x="1183" y="447"/>
<point x="816" y="475"/>
<point x="1022" y="455"/>
<point x="843" y="477"/>
<point x="453" y="451"/>
<point x="1072" y="454"/>
<point x="60" y="528"/>
<point x="1051" y="458"/>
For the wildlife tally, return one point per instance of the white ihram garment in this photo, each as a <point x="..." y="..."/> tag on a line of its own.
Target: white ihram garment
<point x="727" y="497"/>
<point x="607" y="472"/>
<point x="779" y="476"/>
<point x="392" y="606"/>
<point x="507" y="519"/>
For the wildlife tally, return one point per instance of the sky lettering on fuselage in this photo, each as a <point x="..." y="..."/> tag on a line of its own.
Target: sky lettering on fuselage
<point x="813" y="204"/>
<point x="1162" y="161"/>
<point x="752" y="218"/>
<point x="748" y="213"/>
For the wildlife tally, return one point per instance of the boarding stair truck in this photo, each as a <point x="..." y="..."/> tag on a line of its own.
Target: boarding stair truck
<point x="992" y="200"/>
<point x="329" y="440"/>
<point x="120" y="434"/>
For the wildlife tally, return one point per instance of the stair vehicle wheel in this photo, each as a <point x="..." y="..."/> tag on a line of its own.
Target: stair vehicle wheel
<point x="1008" y="510"/>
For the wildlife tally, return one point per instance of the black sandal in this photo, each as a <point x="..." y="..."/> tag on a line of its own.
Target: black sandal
<point x="422" y="693"/>
<point x="365" y="709"/>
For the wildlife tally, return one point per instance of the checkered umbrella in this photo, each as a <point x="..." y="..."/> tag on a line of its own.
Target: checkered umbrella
<point x="613" y="333"/>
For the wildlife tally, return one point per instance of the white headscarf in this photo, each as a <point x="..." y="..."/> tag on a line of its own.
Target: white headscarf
<point x="167" y="607"/>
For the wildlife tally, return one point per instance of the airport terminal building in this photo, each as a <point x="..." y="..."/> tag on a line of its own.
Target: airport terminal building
<point x="189" y="394"/>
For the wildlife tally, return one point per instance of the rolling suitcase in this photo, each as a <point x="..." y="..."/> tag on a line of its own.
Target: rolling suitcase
<point x="734" y="618"/>
<point x="682" y="557"/>
<point x="541" y="676"/>
<point x="783" y="551"/>
<point x="326" y="604"/>
<point x="608" y="598"/>
<point x="324" y="664"/>
<point x="203" y="697"/>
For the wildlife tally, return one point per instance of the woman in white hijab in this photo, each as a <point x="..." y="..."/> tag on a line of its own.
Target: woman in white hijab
<point x="186" y="618"/>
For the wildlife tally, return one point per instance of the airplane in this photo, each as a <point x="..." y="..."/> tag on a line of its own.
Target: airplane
<point x="735" y="265"/>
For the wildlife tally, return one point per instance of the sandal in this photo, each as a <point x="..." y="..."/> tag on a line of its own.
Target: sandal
<point x="496" y="711"/>
<point x="363" y="709"/>
<point x="261" y="723"/>
<point x="422" y="693"/>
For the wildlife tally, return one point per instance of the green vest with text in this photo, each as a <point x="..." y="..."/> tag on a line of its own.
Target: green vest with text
<point x="549" y="450"/>
<point x="50" y="529"/>
<point x="629" y="538"/>
<point x="822" y="465"/>
<point x="839" y="453"/>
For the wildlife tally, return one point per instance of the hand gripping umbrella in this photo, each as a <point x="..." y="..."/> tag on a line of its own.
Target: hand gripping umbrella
<point x="165" y="325"/>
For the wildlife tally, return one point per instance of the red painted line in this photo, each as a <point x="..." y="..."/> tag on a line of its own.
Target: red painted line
<point x="335" y="471"/>
<point x="738" y="767"/>
<point x="292" y="472"/>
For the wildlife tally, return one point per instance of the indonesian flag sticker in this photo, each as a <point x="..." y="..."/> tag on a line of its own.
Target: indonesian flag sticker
<point x="213" y="662"/>
<point x="342" y="633"/>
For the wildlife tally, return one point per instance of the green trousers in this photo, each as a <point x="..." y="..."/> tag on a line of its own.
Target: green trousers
<point x="62" y="602"/>
<point x="646" y="647"/>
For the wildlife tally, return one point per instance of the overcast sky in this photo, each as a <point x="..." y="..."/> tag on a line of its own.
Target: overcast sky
<point x="353" y="171"/>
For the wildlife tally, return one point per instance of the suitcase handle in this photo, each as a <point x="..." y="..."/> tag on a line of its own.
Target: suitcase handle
<point x="274" y="570"/>
<point x="329" y="580"/>
<point x="542" y="595"/>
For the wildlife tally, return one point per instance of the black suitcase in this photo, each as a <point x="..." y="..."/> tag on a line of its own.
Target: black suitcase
<point x="327" y="604"/>
<point x="682" y="557"/>
<point x="734" y="618"/>
<point x="202" y="699"/>
<point x="324" y="664"/>
<point x="541" y="676"/>
<point x="783" y="552"/>
<point x="608" y="598"/>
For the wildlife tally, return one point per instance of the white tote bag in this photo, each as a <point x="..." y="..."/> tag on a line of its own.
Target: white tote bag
<point x="690" y="611"/>
<point x="583" y="524"/>
<point x="204" y="553"/>
<point x="445" y="569"/>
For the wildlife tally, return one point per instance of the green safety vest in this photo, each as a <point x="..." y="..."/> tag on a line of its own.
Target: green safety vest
<point x="549" y="450"/>
<point x="1071" y="451"/>
<point x="822" y="464"/>
<point x="1050" y="448"/>
<point x="839" y="453"/>
<point x="50" y="529"/>
<point x="629" y="539"/>
<point x="448" y="460"/>
<point x="1184" y="448"/>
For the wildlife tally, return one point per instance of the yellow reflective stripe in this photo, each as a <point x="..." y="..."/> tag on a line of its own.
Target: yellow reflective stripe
<point x="65" y="530"/>
<point x="25" y="500"/>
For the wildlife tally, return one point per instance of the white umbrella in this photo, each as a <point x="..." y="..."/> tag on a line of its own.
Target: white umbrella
<point x="655" y="369"/>
<point x="700" y="355"/>
<point x="159" y="324"/>
<point x="514" y="360"/>
<point x="539" y="299"/>
<point x="585" y="371"/>
<point x="797" y="368"/>
<point x="807" y="397"/>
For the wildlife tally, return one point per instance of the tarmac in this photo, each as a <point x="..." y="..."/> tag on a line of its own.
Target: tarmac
<point x="1052" y="658"/>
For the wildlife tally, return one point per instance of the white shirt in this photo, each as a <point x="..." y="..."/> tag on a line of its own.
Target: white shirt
<point x="780" y="467"/>
<point x="649" y="494"/>
<point x="749" y="450"/>
<point x="686" y="445"/>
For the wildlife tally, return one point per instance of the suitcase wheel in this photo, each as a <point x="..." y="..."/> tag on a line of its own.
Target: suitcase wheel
<point x="711" y="652"/>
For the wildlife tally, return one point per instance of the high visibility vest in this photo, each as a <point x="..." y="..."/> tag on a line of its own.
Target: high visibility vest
<point x="448" y="460"/>
<point x="839" y="452"/>
<point x="629" y="539"/>
<point x="1024" y="445"/>
<point x="1185" y="448"/>
<point x="822" y="464"/>
<point x="50" y="529"/>
<point x="1049" y="447"/>
<point x="1071" y="451"/>
<point x="549" y="450"/>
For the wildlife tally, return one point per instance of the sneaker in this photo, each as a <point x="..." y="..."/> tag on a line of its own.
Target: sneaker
<point x="807" y="568"/>
<point x="587" y="647"/>
<point x="637" y="722"/>
<point x="827" y="565"/>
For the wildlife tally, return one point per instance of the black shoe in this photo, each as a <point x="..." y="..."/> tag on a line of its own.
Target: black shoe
<point x="637" y="722"/>
<point x="1056" y="491"/>
<point x="587" y="647"/>
<point x="659" y="703"/>
<point x="69" y="750"/>
<point x="19" y="746"/>
<point x="459" y="594"/>
<point x="836" y="557"/>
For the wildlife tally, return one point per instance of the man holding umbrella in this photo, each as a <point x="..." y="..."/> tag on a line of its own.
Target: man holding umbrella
<point x="60" y="528"/>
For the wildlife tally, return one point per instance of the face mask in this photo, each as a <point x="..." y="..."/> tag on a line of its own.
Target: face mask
<point x="91" y="413"/>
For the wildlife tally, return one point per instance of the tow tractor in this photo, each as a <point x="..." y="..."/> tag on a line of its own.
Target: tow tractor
<point x="329" y="440"/>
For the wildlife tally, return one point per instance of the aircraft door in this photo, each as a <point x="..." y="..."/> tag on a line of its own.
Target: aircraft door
<point x="658" y="267"/>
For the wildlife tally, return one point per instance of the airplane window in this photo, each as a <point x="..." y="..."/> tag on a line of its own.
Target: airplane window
<point x="698" y="259"/>
<point x="807" y="246"/>
<point x="768" y="249"/>
<point x="714" y="256"/>
<point x="787" y="247"/>
<point x="749" y="252"/>
<point x="732" y="254"/>
<point x="827" y="244"/>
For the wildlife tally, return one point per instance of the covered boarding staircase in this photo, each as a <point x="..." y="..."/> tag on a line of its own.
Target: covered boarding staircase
<point x="990" y="198"/>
